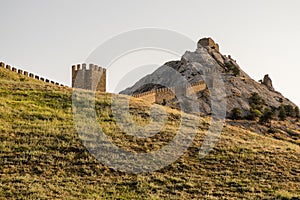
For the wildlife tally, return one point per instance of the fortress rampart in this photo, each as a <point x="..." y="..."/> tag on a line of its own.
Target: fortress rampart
<point x="92" y="78"/>
<point x="27" y="74"/>
<point x="165" y="94"/>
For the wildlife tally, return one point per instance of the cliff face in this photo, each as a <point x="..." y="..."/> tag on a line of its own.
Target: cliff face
<point x="238" y="85"/>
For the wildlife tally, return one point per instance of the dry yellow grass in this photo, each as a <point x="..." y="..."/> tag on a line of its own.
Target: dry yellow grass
<point x="42" y="156"/>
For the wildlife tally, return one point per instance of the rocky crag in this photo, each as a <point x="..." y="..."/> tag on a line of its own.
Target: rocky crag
<point x="239" y="86"/>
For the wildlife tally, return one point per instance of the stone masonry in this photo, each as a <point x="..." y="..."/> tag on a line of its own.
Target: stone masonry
<point x="26" y="74"/>
<point x="93" y="78"/>
<point x="167" y="94"/>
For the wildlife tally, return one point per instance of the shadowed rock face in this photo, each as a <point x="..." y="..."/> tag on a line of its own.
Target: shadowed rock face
<point x="195" y="66"/>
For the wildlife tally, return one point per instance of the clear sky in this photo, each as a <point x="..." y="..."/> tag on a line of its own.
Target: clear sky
<point x="48" y="36"/>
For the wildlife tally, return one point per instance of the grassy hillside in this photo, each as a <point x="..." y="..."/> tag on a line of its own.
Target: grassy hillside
<point x="41" y="155"/>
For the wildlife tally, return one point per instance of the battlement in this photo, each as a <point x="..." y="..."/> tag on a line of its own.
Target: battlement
<point x="165" y="94"/>
<point x="27" y="74"/>
<point x="92" y="77"/>
<point x="84" y="67"/>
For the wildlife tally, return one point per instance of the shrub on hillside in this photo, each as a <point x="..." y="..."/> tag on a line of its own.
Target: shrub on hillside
<point x="254" y="114"/>
<point x="256" y="102"/>
<point x="282" y="113"/>
<point x="234" y="69"/>
<point x="267" y="116"/>
<point x="290" y="111"/>
<point x="236" y="113"/>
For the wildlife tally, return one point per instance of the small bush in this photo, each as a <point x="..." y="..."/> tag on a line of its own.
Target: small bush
<point x="236" y="113"/>
<point x="256" y="99"/>
<point x="256" y="102"/>
<point x="254" y="114"/>
<point x="282" y="113"/>
<point x="290" y="111"/>
<point x="235" y="71"/>
<point x="267" y="116"/>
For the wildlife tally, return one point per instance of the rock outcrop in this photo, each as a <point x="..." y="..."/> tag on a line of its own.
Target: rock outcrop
<point x="268" y="82"/>
<point x="238" y="85"/>
<point x="208" y="42"/>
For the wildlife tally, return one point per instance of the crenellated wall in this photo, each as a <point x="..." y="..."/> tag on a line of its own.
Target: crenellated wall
<point x="158" y="95"/>
<point x="92" y="78"/>
<point x="196" y="87"/>
<point x="27" y="74"/>
<point x="147" y="96"/>
<point x="164" y="93"/>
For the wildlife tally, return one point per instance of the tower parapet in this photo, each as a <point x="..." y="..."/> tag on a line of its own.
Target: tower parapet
<point x="91" y="78"/>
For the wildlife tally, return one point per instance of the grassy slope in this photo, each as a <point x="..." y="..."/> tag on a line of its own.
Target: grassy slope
<point x="42" y="156"/>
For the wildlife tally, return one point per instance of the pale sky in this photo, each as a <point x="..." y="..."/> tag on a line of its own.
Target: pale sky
<point x="48" y="36"/>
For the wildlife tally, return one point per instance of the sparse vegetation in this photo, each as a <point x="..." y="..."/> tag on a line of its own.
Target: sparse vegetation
<point x="236" y="113"/>
<point x="282" y="113"/>
<point x="267" y="116"/>
<point x="254" y="114"/>
<point x="234" y="69"/>
<point x="42" y="156"/>
<point x="290" y="111"/>
<point x="259" y="110"/>
<point x="257" y="105"/>
<point x="256" y="102"/>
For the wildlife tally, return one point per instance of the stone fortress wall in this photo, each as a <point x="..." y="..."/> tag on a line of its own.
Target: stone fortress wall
<point x="167" y="94"/>
<point x="149" y="96"/>
<point x="27" y="74"/>
<point x="92" y="78"/>
<point x="164" y="93"/>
